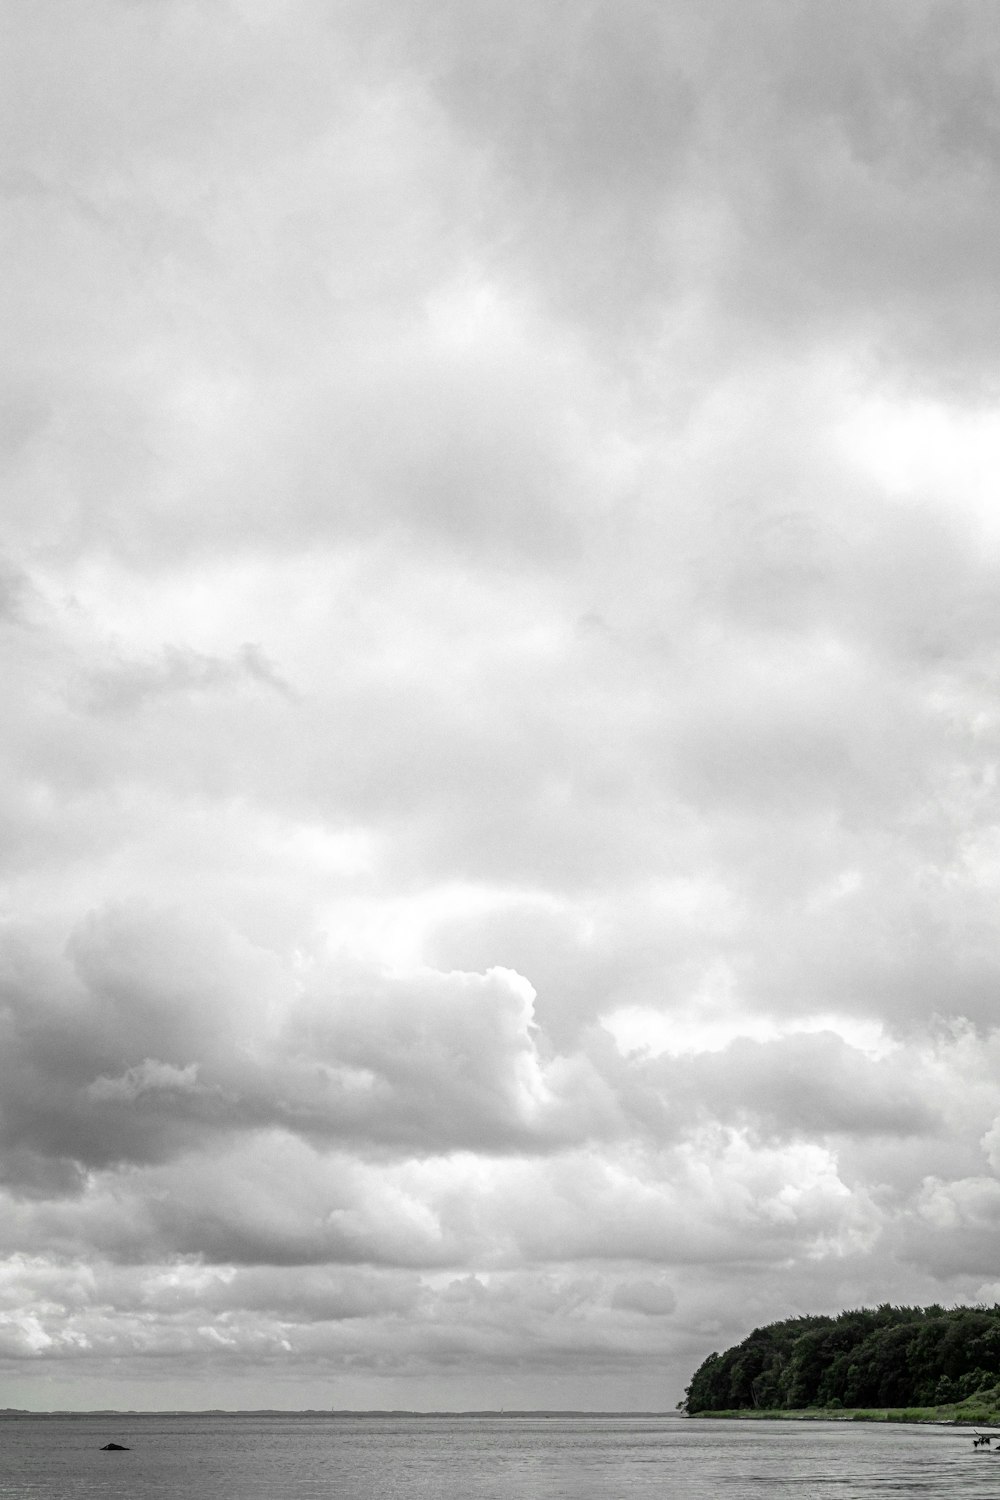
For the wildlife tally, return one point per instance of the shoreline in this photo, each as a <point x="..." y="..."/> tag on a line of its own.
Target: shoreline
<point x="903" y="1415"/>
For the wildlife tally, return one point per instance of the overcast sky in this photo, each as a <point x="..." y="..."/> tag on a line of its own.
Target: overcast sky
<point x="500" y="634"/>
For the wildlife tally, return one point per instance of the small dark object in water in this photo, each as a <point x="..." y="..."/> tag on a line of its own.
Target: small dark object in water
<point x="115" y="1448"/>
<point x="982" y="1440"/>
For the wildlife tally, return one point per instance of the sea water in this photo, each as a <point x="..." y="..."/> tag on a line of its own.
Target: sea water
<point x="303" y="1457"/>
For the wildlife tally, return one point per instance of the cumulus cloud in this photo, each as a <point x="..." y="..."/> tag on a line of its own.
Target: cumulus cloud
<point x="498" y="624"/>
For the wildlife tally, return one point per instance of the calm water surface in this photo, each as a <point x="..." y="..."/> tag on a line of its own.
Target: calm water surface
<point x="514" y="1458"/>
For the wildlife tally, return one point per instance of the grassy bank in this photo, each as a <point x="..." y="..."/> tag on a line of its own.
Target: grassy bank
<point x="970" y="1413"/>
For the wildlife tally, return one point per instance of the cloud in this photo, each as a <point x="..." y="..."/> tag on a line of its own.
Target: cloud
<point x="651" y="1298"/>
<point x="498" y="627"/>
<point x="163" y="1027"/>
<point x="805" y="1084"/>
<point x="806" y="177"/>
<point x="126" y="686"/>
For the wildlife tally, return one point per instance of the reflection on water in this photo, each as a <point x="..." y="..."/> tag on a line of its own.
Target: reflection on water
<point x="494" y="1458"/>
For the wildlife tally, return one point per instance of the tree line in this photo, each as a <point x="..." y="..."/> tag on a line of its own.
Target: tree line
<point x="872" y="1357"/>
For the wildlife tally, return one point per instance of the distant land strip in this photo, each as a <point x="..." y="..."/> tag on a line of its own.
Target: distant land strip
<point x="334" y="1412"/>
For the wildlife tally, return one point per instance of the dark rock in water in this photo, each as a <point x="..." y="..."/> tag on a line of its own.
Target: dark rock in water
<point x="115" y="1448"/>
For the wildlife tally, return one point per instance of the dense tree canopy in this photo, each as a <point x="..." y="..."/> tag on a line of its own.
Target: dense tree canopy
<point x="883" y="1356"/>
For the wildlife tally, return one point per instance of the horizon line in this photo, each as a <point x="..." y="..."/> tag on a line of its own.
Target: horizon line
<point x="323" y="1411"/>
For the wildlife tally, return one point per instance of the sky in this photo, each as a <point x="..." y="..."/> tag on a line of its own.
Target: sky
<point x="500" y="635"/>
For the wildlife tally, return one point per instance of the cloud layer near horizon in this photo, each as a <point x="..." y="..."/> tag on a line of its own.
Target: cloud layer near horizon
<point x="500" y="620"/>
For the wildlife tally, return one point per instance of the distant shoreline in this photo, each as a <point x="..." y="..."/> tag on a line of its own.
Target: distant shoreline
<point x="335" y="1414"/>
